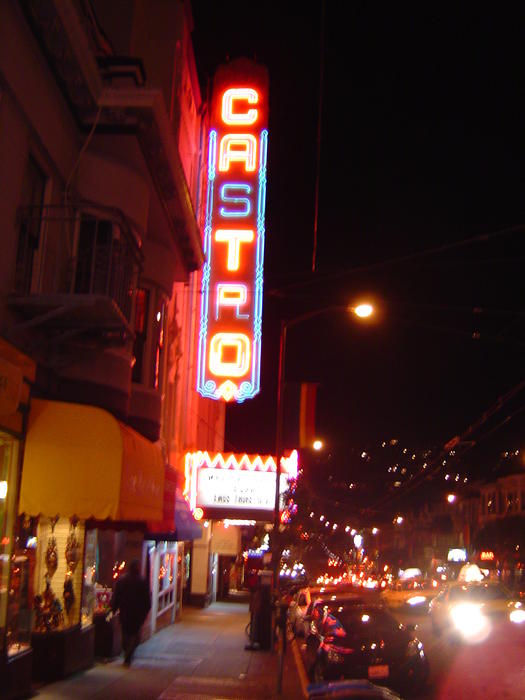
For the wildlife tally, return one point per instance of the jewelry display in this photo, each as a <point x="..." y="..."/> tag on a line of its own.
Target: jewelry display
<point x="52" y="551"/>
<point x="48" y="610"/>
<point x="72" y="547"/>
<point x="69" y="593"/>
<point x="72" y="555"/>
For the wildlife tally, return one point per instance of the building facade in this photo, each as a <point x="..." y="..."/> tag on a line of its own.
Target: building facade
<point x="101" y="132"/>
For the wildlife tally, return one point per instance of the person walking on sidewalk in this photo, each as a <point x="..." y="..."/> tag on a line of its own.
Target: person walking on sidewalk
<point x="132" y="598"/>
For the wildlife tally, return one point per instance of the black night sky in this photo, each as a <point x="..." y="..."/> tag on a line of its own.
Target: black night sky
<point x="423" y="147"/>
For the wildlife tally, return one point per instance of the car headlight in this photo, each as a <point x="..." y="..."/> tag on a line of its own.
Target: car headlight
<point x="415" y="648"/>
<point x="517" y="616"/>
<point x="469" y="620"/>
<point x="416" y="600"/>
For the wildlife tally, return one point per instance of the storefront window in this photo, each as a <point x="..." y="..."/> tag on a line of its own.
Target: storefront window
<point x="58" y="580"/>
<point x="91" y="600"/>
<point x="106" y="555"/>
<point x="180" y="574"/>
<point x="166" y="575"/>
<point x="8" y="487"/>
<point x="21" y="590"/>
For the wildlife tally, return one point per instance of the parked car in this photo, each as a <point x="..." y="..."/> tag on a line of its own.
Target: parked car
<point x="300" y="606"/>
<point x="354" y="638"/>
<point x="470" y="611"/>
<point x="350" y="689"/>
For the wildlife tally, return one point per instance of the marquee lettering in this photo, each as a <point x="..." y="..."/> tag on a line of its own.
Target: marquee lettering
<point x="232" y="276"/>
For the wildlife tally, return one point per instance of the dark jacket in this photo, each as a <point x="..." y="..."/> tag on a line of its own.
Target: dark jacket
<point x="132" y="598"/>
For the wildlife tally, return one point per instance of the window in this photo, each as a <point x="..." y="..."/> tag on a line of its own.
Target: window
<point x="491" y="503"/>
<point x="149" y="321"/>
<point x="93" y="256"/>
<point x="141" y="333"/>
<point x="105" y="262"/>
<point x="512" y="501"/>
<point x="31" y="201"/>
<point x="501" y="503"/>
<point x="158" y="340"/>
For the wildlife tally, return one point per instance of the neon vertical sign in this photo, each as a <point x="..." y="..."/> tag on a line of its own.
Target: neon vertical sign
<point x="232" y="278"/>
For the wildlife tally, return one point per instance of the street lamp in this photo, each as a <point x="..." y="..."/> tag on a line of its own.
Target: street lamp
<point x="362" y="310"/>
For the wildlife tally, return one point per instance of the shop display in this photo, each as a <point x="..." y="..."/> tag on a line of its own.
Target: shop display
<point x="73" y="551"/>
<point x="69" y="594"/>
<point x="15" y="611"/>
<point x="52" y="551"/>
<point x="20" y="599"/>
<point x="59" y="544"/>
<point x="8" y="456"/>
<point x="48" y="611"/>
<point x="72" y="556"/>
<point x="90" y="574"/>
<point x="103" y="599"/>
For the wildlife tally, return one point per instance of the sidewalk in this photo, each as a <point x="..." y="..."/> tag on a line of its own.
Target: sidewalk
<point x="202" y="657"/>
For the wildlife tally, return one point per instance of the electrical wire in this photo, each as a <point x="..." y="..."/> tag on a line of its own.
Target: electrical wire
<point x="398" y="260"/>
<point x="459" y="440"/>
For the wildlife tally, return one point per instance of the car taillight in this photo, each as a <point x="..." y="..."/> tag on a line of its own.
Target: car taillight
<point x="335" y="648"/>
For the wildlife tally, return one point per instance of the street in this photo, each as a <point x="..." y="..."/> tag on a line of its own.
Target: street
<point x="494" y="670"/>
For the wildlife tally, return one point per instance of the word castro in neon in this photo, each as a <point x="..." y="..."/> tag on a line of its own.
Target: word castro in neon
<point x="232" y="277"/>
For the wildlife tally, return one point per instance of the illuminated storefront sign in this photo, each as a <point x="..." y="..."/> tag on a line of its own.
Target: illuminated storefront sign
<point x="457" y="555"/>
<point x="232" y="277"/>
<point x="487" y="556"/>
<point x="235" y="484"/>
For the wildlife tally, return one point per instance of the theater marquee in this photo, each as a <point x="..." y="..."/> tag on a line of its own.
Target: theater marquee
<point x="236" y="486"/>
<point x="232" y="277"/>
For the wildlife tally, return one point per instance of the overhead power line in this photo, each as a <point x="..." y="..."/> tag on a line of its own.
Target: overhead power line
<point x="398" y="260"/>
<point x="460" y="441"/>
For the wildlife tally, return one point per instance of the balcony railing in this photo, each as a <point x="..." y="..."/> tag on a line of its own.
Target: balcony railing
<point x="76" y="253"/>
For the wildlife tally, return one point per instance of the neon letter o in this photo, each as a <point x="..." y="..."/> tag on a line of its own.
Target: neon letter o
<point x="241" y="343"/>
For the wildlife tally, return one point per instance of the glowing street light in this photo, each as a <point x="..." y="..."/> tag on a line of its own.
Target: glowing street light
<point x="363" y="310"/>
<point x="451" y="497"/>
<point x="399" y="520"/>
<point x="318" y="445"/>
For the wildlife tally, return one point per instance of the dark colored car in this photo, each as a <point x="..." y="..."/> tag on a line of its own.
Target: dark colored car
<point x="359" y="639"/>
<point x="350" y="690"/>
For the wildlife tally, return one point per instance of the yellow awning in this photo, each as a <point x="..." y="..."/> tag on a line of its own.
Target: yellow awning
<point x="79" y="460"/>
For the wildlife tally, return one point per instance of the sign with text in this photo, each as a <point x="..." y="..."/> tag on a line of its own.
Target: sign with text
<point x="229" y="351"/>
<point x="236" y="486"/>
<point x="218" y="488"/>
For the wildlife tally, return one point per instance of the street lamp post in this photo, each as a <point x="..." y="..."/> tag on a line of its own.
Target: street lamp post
<point x="361" y="311"/>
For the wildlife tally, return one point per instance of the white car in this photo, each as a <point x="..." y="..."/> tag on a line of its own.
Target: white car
<point x="471" y="610"/>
